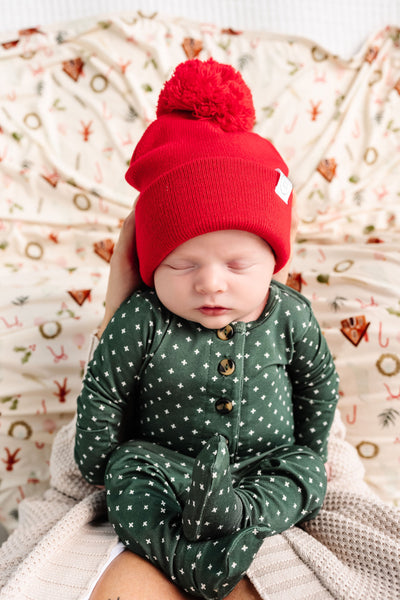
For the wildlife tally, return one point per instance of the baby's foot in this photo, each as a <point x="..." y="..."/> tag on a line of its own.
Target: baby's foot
<point x="212" y="508"/>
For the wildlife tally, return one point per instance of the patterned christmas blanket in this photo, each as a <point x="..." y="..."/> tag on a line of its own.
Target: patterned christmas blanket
<point x="74" y="101"/>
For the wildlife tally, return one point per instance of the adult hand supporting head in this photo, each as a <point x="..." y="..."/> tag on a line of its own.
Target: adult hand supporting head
<point x="124" y="276"/>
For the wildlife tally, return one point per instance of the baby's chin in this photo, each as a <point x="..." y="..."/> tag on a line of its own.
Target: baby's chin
<point x="214" y="324"/>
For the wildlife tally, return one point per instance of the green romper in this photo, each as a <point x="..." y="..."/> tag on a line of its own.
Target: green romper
<point x="207" y="441"/>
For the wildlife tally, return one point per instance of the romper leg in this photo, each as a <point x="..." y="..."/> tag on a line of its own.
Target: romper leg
<point x="145" y="484"/>
<point x="281" y="488"/>
<point x="278" y="489"/>
<point x="147" y="487"/>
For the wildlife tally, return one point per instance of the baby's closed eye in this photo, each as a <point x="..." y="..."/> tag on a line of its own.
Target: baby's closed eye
<point x="180" y="265"/>
<point x="239" y="265"/>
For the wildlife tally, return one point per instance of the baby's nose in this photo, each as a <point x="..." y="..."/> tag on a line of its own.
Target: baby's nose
<point x="210" y="280"/>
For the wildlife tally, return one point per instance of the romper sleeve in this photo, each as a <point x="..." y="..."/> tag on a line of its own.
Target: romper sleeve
<point x="315" y="385"/>
<point x="107" y="398"/>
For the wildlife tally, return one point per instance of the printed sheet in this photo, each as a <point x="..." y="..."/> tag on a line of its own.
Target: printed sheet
<point x="76" y="98"/>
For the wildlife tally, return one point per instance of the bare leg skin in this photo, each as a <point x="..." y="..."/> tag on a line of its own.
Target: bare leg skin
<point x="130" y="577"/>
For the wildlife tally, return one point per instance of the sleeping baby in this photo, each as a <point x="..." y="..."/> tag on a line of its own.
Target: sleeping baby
<point x="206" y="408"/>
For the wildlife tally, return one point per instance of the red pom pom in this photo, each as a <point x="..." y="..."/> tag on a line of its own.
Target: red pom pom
<point x="209" y="90"/>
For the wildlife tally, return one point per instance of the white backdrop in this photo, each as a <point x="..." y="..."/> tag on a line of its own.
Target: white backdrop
<point x="341" y="26"/>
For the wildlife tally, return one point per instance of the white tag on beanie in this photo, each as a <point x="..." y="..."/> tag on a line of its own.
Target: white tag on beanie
<point x="284" y="187"/>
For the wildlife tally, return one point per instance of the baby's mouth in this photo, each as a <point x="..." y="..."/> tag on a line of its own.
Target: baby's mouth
<point x="213" y="310"/>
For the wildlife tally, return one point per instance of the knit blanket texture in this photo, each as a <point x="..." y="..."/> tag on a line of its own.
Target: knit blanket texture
<point x="350" y="551"/>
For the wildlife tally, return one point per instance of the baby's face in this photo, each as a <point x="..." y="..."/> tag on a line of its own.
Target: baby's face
<point x="217" y="278"/>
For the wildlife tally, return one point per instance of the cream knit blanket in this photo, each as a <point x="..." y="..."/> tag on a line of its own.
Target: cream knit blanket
<point x="351" y="551"/>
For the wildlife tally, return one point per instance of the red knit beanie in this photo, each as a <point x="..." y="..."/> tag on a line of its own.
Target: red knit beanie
<point x="200" y="168"/>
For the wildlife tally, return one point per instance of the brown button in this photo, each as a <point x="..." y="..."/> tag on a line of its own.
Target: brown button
<point x="226" y="333"/>
<point x="223" y="406"/>
<point x="226" y="366"/>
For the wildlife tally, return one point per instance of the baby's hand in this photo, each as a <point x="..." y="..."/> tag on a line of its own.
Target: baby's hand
<point x="124" y="275"/>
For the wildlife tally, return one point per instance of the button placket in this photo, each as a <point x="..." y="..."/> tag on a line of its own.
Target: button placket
<point x="226" y="333"/>
<point x="223" y="406"/>
<point x="226" y="367"/>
